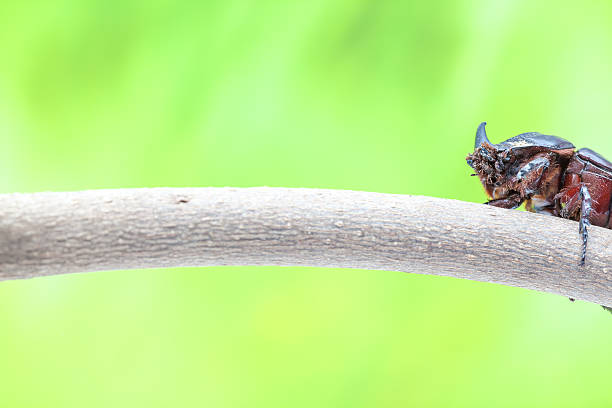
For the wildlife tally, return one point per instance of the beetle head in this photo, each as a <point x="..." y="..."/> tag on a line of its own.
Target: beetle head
<point x="502" y="168"/>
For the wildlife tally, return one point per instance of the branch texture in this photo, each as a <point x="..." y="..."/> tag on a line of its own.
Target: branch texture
<point x="54" y="233"/>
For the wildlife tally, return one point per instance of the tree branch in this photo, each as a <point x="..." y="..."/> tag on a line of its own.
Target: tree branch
<point x="54" y="233"/>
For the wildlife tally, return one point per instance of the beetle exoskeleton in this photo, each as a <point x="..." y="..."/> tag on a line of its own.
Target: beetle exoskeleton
<point x="548" y="175"/>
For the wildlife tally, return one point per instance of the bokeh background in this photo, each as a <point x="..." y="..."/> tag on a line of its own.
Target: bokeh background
<point x="346" y="94"/>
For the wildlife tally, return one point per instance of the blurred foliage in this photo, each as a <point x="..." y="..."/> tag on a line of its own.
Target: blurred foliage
<point x="367" y="95"/>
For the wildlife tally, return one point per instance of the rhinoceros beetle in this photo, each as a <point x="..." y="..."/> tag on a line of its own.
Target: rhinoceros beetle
<point x="549" y="175"/>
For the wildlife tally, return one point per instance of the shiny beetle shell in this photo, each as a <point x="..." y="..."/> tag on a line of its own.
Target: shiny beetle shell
<point x="549" y="176"/>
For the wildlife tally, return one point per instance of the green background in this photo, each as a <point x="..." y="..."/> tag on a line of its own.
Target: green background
<point x="366" y="95"/>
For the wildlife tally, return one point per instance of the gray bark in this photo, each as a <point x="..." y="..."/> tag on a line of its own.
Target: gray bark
<point x="55" y="233"/>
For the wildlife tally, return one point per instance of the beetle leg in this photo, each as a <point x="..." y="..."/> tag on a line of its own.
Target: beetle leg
<point x="585" y="213"/>
<point x="567" y="202"/>
<point x="531" y="174"/>
<point x="510" y="202"/>
<point x="572" y="201"/>
<point x="537" y="165"/>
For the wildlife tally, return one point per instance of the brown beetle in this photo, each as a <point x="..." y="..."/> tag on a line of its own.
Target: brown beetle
<point x="547" y="174"/>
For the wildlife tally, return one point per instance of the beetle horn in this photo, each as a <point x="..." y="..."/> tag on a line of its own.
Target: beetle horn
<point x="481" y="135"/>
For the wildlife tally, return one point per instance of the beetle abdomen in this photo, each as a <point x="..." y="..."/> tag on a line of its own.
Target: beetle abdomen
<point x="596" y="159"/>
<point x="595" y="172"/>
